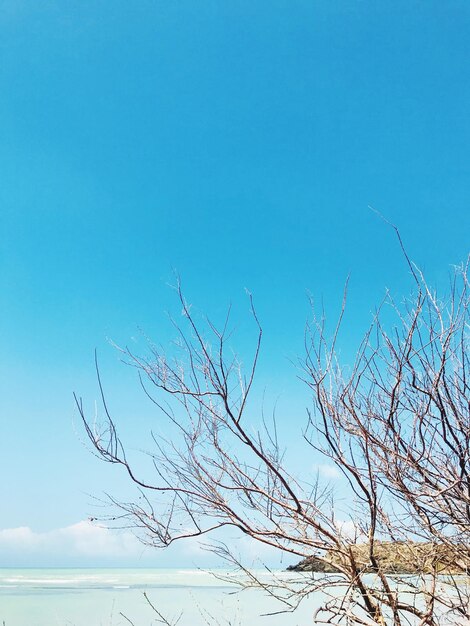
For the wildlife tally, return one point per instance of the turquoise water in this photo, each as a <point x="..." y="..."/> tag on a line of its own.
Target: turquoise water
<point x="114" y="597"/>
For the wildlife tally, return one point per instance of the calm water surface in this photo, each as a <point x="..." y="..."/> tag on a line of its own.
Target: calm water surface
<point x="102" y="597"/>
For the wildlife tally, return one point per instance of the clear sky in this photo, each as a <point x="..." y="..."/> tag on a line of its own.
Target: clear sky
<point x="239" y="142"/>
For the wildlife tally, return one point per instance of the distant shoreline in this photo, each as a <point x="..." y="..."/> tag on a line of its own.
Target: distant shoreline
<point x="394" y="558"/>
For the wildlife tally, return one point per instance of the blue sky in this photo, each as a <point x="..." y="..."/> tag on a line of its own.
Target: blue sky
<point x="237" y="142"/>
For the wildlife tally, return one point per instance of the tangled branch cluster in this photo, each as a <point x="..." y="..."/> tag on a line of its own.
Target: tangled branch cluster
<point x="396" y="425"/>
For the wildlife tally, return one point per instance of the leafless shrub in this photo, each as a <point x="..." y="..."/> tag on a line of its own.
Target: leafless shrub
<point x="396" y="425"/>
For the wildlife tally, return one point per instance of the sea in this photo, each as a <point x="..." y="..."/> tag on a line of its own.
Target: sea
<point x="140" y="597"/>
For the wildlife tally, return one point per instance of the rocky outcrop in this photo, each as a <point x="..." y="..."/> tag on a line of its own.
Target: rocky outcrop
<point x="395" y="557"/>
<point x="313" y="564"/>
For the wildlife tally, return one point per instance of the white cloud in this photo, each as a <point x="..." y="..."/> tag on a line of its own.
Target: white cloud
<point x="78" y="541"/>
<point x="350" y="530"/>
<point x="23" y="536"/>
<point x="87" y="538"/>
<point x="87" y="544"/>
<point x="328" y="470"/>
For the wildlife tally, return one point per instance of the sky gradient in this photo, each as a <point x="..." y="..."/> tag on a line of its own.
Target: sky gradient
<point x="237" y="143"/>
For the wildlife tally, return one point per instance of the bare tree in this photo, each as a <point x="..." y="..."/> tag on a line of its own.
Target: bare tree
<point x="398" y="427"/>
<point x="396" y="424"/>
